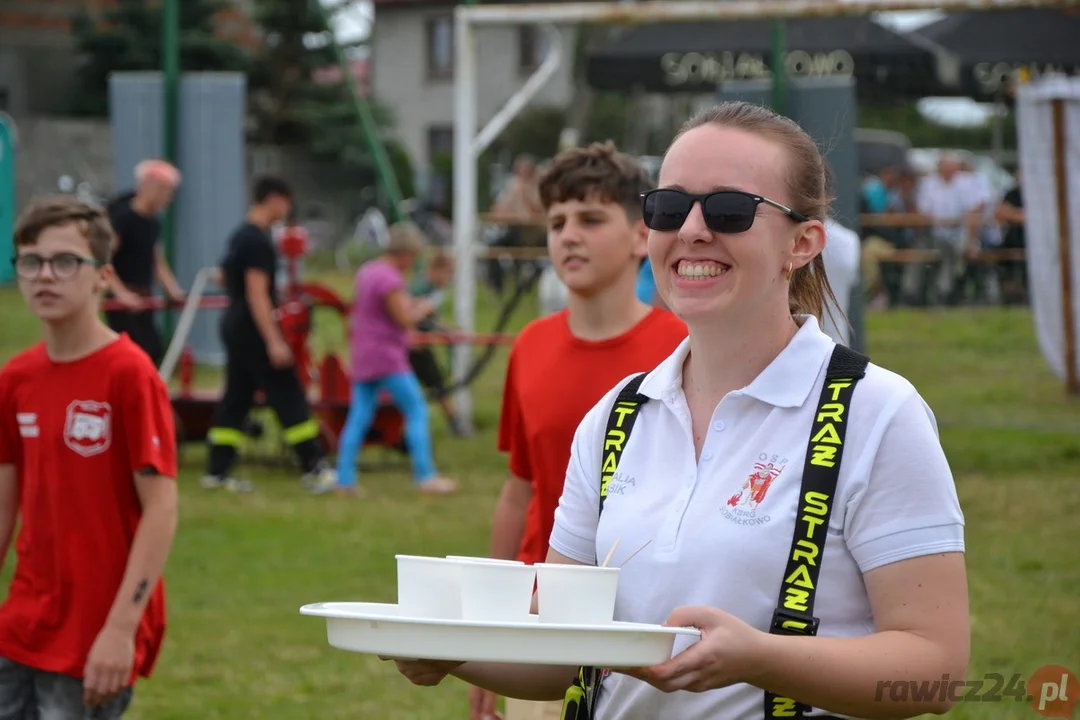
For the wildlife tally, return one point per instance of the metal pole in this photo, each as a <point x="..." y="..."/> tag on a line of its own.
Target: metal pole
<point x="383" y="168"/>
<point x="779" y="75"/>
<point x="523" y="95"/>
<point x="170" y="64"/>
<point x="8" y="141"/>
<point x="1061" y="151"/>
<point x="465" y="203"/>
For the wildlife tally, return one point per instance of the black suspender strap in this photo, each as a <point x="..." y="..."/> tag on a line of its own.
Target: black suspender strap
<point x="794" y="614"/>
<point x="620" y="422"/>
<point x="580" y="700"/>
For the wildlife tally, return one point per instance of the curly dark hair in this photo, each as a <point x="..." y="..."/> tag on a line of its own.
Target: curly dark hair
<point x="597" y="172"/>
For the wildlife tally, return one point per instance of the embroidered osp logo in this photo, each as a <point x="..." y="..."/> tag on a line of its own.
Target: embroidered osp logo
<point x="742" y="507"/>
<point x="88" y="427"/>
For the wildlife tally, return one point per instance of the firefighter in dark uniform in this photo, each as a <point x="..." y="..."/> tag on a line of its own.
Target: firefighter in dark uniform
<point x="258" y="356"/>
<point x="138" y="257"/>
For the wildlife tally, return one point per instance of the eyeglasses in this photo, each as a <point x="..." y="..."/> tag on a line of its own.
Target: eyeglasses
<point x="725" y="211"/>
<point x="63" y="266"/>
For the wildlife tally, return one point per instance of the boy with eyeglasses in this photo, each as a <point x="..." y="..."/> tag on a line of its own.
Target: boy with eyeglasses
<point x="88" y="463"/>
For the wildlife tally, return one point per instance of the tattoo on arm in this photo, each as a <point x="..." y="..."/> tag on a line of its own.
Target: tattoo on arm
<point x="140" y="591"/>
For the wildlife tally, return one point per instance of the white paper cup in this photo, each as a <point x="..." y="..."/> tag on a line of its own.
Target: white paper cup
<point x="428" y="587"/>
<point x="496" y="592"/>
<point x="576" y="594"/>
<point x="489" y="561"/>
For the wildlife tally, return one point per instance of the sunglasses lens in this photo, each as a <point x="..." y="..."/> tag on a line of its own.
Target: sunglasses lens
<point x="665" y="210"/>
<point x="729" y="212"/>
<point x="725" y="212"/>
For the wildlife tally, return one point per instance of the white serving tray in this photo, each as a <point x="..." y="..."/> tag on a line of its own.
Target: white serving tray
<point x="377" y="629"/>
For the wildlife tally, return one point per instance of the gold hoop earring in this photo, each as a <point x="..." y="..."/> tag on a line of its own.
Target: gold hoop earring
<point x="789" y="271"/>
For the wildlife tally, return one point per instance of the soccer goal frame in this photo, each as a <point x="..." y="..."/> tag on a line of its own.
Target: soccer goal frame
<point x="469" y="144"/>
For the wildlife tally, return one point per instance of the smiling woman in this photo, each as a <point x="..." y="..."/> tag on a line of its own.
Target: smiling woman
<point x="797" y="504"/>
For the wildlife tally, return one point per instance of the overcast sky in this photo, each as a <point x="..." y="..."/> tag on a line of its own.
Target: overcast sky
<point x="352" y="23"/>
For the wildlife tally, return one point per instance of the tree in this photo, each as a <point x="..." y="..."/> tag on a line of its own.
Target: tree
<point x="127" y="37"/>
<point x="299" y="95"/>
<point x="924" y="132"/>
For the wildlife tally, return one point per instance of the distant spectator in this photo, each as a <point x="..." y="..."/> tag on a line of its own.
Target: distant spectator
<point x="138" y="257"/>
<point x="841" y="256"/>
<point x="519" y="202"/>
<point x="877" y="242"/>
<point x="382" y="314"/>
<point x="875" y="192"/>
<point x="954" y="202"/>
<point x="985" y="234"/>
<point x="431" y="287"/>
<point x="1010" y="212"/>
<point x="518" y="208"/>
<point x="646" y="285"/>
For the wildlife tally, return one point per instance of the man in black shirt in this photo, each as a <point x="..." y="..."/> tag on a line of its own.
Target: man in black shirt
<point x="1014" y="276"/>
<point x="258" y="357"/>
<point x="138" y="258"/>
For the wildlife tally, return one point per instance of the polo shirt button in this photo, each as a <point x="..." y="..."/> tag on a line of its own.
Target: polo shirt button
<point x="706" y="456"/>
<point x="719" y="426"/>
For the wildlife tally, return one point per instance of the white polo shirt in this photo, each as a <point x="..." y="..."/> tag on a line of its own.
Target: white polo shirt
<point x="714" y="545"/>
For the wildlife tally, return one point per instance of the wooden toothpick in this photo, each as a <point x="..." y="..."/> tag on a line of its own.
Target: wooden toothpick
<point x="611" y="552"/>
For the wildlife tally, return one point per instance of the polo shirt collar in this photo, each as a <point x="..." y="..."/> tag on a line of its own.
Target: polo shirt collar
<point x="785" y="382"/>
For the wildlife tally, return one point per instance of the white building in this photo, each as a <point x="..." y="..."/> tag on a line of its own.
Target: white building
<point x="412" y="72"/>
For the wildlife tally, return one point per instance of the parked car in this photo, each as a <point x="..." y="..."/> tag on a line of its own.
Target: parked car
<point x="878" y="149"/>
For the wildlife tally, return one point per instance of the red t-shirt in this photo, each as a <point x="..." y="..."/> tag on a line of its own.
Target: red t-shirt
<point x="553" y="379"/>
<point x="76" y="432"/>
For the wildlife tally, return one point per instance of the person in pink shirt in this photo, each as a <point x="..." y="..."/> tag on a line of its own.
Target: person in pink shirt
<point x="382" y="314"/>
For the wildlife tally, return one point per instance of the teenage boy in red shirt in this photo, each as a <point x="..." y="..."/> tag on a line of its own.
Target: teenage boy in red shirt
<point x="88" y="464"/>
<point x="561" y="365"/>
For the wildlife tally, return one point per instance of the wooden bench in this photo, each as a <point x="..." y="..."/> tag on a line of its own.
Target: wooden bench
<point x="916" y="256"/>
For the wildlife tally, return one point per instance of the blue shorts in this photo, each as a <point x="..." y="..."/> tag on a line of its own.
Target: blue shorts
<point x="29" y="694"/>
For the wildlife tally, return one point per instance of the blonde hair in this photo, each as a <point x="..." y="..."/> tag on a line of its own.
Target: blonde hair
<point x="440" y="260"/>
<point x="405" y="239"/>
<point x="807" y="185"/>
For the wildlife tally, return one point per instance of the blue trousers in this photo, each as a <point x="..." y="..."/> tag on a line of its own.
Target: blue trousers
<point x="405" y="389"/>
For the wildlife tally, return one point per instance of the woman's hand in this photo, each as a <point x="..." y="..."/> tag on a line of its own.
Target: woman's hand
<point x="729" y="652"/>
<point x="425" y="672"/>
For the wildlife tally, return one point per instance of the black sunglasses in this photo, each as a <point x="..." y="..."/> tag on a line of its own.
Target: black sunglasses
<point x="725" y="211"/>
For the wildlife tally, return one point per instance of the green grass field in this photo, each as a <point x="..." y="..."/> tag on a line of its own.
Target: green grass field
<point x="242" y="565"/>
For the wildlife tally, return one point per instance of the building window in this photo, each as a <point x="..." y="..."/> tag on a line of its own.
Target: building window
<point x="440" y="47"/>
<point x="440" y="141"/>
<point x="532" y="47"/>
<point x="440" y="153"/>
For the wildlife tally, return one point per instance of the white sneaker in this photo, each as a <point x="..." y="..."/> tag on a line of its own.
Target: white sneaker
<point x="438" y="485"/>
<point x="231" y="484"/>
<point x="320" y="481"/>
